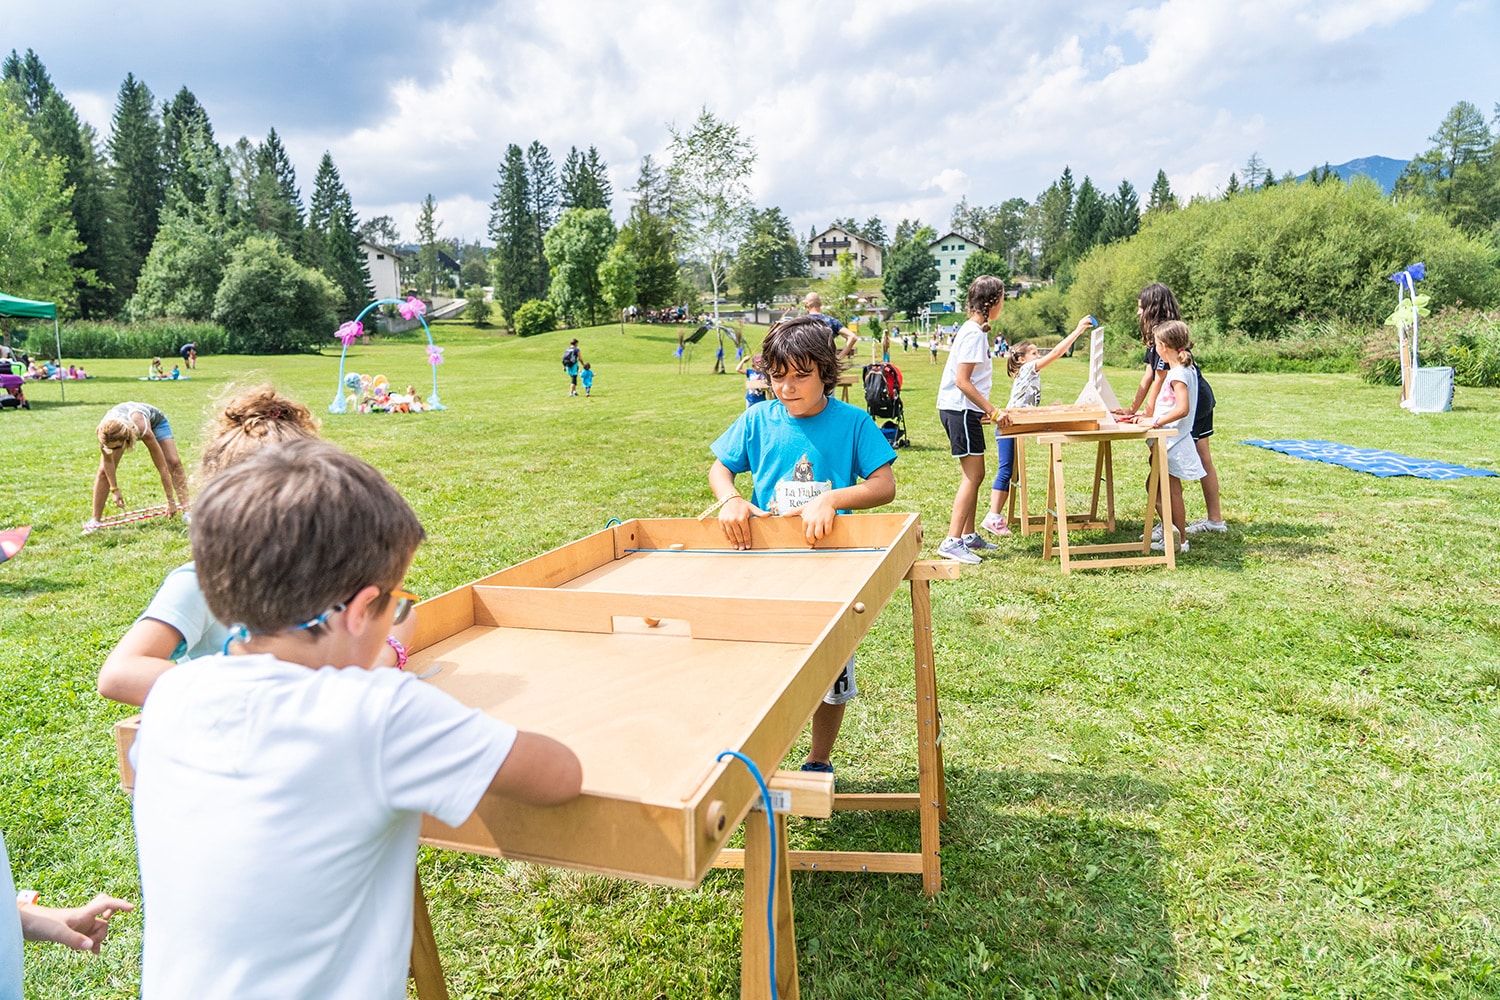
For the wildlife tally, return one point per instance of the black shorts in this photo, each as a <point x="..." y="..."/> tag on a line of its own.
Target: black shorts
<point x="1203" y="420"/>
<point x="965" y="432"/>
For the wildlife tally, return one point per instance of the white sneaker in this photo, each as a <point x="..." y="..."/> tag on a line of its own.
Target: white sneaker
<point x="1156" y="546"/>
<point x="91" y="526"/>
<point x="995" y="524"/>
<point x="955" y="549"/>
<point x="977" y="544"/>
<point x="1204" y="524"/>
<point x="1156" y="533"/>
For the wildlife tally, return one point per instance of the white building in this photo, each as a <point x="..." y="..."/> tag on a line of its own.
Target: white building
<point x="385" y="270"/>
<point x="950" y="252"/>
<point x="823" y="253"/>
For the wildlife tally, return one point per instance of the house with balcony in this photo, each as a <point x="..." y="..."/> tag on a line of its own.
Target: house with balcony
<point x="950" y="252"/>
<point x="384" y="264"/>
<point x="823" y="253"/>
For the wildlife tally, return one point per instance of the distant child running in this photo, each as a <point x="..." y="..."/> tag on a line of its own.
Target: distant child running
<point x="587" y="375"/>
<point x="123" y="426"/>
<point x="280" y="787"/>
<point x="963" y="400"/>
<point x="1023" y="363"/>
<point x="809" y="456"/>
<point x="1175" y="405"/>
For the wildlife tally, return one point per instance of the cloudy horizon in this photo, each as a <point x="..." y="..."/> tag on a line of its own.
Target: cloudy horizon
<point x="895" y="108"/>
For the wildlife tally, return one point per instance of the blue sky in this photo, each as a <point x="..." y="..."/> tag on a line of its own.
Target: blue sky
<point x="894" y="108"/>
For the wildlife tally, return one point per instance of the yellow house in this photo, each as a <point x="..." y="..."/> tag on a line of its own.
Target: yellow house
<point x="823" y="253"/>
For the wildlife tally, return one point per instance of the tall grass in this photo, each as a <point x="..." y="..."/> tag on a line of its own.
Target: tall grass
<point x="151" y="338"/>
<point x="1466" y="340"/>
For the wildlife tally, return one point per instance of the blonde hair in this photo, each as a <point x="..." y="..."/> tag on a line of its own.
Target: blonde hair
<point x="1173" y="333"/>
<point x="1013" y="357"/>
<point x="117" y="433"/>
<point x="250" y="420"/>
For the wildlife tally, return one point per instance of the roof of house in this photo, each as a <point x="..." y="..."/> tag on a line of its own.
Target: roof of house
<point x="841" y="229"/>
<point x="951" y="235"/>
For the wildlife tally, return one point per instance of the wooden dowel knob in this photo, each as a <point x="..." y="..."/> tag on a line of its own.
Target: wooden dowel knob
<point x="714" y="819"/>
<point x="859" y="607"/>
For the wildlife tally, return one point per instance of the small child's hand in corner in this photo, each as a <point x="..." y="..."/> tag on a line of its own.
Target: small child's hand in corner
<point x="82" y="928"/>
<point x="817" y="517"/>
<point x="734" y="519"/>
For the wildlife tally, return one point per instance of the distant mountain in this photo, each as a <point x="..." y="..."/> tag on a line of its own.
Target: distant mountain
<point x="1381" y="169"/>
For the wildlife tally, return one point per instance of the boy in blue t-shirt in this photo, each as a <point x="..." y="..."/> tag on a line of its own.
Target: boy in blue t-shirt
<point x="810" y="456"/>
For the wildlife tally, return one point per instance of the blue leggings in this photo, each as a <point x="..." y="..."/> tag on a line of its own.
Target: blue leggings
<point x="1005" y="449"/>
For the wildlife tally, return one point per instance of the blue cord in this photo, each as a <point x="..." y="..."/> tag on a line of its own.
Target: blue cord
<point x="612" y="522"/>
<point x="765" y="799"/>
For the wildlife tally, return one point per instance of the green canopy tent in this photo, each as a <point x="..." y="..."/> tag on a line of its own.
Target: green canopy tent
<point x="28" y="309"/>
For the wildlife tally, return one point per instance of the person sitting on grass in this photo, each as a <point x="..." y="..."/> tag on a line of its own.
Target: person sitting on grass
<point x="177" y="625"/>
<point x="809" y="456"/>
<point x="155" y="372"/>
<point x="280" y="787"/>
<point x="123" y="426"/>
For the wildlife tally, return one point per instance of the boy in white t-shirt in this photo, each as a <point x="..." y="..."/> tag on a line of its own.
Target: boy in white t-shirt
<point x="280" y="788"/>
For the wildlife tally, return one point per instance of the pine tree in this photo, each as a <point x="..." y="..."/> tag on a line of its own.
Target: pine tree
<point x="598" y="192"/>
<point x="428" y="225"/>
<point x="331" y="243"/>
<point x="1055" y="221"/>
<point x="1162" y="199"/>
<point x="1233" y="187"/>
<point x="513" y="230"/>
<point x="647" y="237"/>
<point x="28" y="73"/>
<point x="275" y="203"/>
<point x="136" y="178"/>
<point x="541" y="175"/>
<point x="181" y="119"/>
<point x="1088" y="219"/>
<point x="1122" y="214"/>
<point x="572" y="180"/>
<point x="874" y="230"/>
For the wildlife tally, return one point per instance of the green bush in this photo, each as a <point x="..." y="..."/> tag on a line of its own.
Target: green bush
<point x="1260" y="261"/>
<point x="1465" y="340"/>
<point x="1035" y="315"/>
<point x="270" y="304"/>
<point x="146" y="339"/>
<point x="536" y="316"/>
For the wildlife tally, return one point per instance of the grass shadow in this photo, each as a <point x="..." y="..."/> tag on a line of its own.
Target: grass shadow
<point x="1051" y="887"/>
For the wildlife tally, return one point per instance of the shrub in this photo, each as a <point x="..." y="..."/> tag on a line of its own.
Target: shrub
<point x="1260" y="261"/>
<point x="270" y="304"/>
<point x="536" y="316"/>
<point x="150" y="338"/>
<point x="478" y="310"/>
<point x="1037" y="314"/>
<point x="1465" y="340"/>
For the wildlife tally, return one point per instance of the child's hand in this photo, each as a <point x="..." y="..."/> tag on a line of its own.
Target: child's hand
<point x="82" y="928"/>
<point x="119" y="499"/>
<point x="817" y="517"/>
<point x="1002" y="418"/>
<point x="734" y="519"/>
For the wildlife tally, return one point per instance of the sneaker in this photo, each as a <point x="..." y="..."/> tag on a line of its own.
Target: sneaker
<point x="955" y="549"/>
<point x="818" y="766"/>
<point x="1156" y="533"/>
<point x="1156" y="546"/>
<point x="995" y="524"/>
<point x="973" y="541"/>
<point x="92" y="525"/>
<point x="1204" y="524"/>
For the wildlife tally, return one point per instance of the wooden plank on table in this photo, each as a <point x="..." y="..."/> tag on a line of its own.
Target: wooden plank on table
<point x="125" y="733"/>
<point x="877" y="800"/>
<point x="904" y="863"/>
<point x="738" y="619"/>
<point x="442" y="616"/>
<point x="934" y="569"/>
<point x="558" y="565"/>
<point x="850" y="531"/>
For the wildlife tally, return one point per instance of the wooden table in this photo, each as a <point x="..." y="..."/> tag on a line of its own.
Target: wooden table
<point x="1157" y="491"/>
<point x="845" y="380"/>
<point x="1026" y="523"/>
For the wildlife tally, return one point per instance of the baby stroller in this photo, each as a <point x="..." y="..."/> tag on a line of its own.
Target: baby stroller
<point x="11" y="393"/>
<point x="883" y="400"/>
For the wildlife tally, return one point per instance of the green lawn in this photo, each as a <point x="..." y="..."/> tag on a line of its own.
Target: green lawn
<point x="1270" y="773"/>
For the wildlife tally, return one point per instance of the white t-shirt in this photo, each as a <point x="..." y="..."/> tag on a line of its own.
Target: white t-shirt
<point x="1026" y="389"/>
<point x="180" y="604"/>
<point x="1182" y="453"/>
<point x="10" y="932"/>
<point x="969" y="347"/>
<point x="276" y="812"/>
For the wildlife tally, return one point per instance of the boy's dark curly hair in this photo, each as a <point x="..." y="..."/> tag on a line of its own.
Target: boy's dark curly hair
<point x="803" y="344"/>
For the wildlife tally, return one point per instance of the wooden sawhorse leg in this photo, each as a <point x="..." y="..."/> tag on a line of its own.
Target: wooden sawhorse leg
<point x="426" y="964"/>
<point x="755" y="943"/>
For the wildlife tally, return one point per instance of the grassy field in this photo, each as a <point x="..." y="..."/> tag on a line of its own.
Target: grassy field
<point x="1271" y="773"/>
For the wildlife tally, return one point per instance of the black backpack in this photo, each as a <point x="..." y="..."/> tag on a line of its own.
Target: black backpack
<point x="570" y="357"/>
<point x="882" y="389"/>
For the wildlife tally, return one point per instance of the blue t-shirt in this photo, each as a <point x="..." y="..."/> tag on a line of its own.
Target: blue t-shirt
<point x="838" y="447"/>
<point x="10" y="932"/>
<point x="588" y="377"/>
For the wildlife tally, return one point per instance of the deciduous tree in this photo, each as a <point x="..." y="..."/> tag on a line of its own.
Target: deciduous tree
<point x="37" y="239"/>
<point x="910" y="276"/>
<point x="711" y="163"/>
<point x="576" y="246"/>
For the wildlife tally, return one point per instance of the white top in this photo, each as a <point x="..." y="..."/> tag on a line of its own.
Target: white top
<point x="276" y="812"/>
<point x="10" y="932"/>
<point x="969" y="347"/>
<point x="1026" y="390"/>
<point x="1182" y="453"/>
<point x="180" y="604"/>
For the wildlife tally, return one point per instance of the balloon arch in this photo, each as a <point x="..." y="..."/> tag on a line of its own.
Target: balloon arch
<point x="410" y="308"/>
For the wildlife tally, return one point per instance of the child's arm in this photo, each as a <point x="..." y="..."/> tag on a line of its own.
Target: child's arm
<point x="1177" y="412"/>
<point x="1145" y="393"/>
<point x="744" y="363"/>
<point x="734" y="516"/>
<point x="82" y="928"/>
<point x="819" y="512"/>
<point x="539" y="771"/>
<point x="1062" y="348"/>
<point x="142" y="655"/>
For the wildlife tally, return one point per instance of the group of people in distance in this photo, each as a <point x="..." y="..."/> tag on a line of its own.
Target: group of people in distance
<point x="1172" y="394"/>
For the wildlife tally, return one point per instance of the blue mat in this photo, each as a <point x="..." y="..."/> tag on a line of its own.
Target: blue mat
<point x="1371" y="460"/>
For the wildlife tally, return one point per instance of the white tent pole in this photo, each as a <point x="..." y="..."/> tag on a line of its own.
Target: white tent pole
<point x="62" y="383"/>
